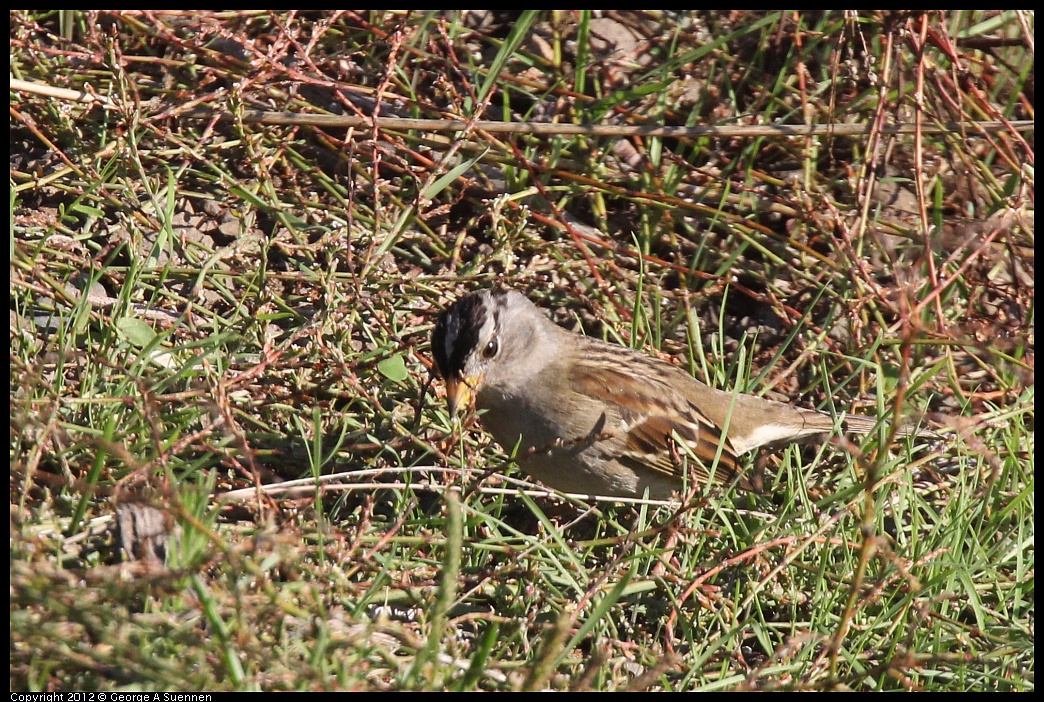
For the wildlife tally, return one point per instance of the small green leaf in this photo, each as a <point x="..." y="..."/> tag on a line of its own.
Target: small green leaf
<point x="86" y="210"/>
<point x="136" y="331"/>
<point x="439" y="185"/>
<point x="393" y="368"/>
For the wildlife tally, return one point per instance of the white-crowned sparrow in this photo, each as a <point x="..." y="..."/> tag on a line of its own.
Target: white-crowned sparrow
<point x="590" y="417"/>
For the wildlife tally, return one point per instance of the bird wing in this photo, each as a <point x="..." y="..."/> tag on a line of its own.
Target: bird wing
<point x="655" y="427"/>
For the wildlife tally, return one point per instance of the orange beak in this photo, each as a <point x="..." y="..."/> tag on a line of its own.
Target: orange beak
<point x="459" y="393"/>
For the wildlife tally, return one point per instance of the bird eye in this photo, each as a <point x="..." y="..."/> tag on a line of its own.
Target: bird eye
<point x="491" y="349"/>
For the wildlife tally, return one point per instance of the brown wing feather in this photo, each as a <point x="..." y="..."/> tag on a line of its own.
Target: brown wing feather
<point x="650" y="441"/>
